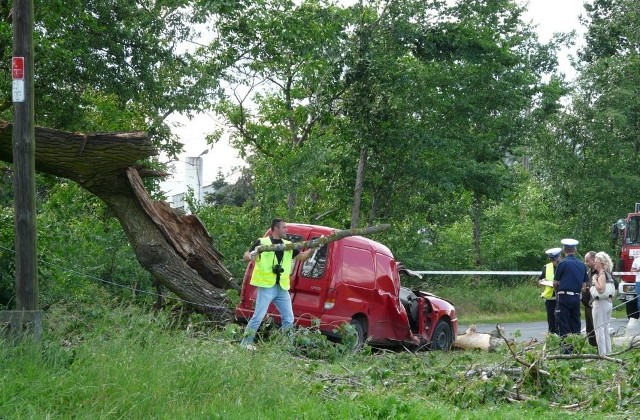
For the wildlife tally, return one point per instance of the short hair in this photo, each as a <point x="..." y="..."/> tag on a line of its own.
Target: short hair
<point x="604" y="258"/>
<point x="275" y="223"/>
<point x="591" y="254"/>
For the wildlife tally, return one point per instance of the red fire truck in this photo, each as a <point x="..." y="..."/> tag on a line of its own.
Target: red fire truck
<point x="625" y="234"/>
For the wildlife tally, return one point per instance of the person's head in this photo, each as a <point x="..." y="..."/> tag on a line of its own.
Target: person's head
<point x="569" y="246"/>
<point x="590" y="259"/>
<point x="602" y="261"/>
<point x="554" y="255"/>
<point x="278" y="228"/>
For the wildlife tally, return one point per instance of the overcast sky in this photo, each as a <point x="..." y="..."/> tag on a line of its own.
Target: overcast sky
<point x="550" y="16"/>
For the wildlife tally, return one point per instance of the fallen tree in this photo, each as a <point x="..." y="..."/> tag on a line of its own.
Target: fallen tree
<point x="176" y="249"/>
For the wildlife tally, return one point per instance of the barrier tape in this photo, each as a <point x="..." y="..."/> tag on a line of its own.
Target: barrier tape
<point x="504" y="273"/>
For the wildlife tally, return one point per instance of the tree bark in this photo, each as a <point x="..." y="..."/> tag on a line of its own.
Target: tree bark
<point x="314" y="243"/>
<point x="357" y="190"/>
<point x="176" y="249"/>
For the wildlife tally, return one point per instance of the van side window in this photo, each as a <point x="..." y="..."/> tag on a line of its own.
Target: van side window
<point x="314" y="266"/>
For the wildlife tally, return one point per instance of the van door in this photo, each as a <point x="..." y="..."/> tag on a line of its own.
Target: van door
<point x="310" y="286"/>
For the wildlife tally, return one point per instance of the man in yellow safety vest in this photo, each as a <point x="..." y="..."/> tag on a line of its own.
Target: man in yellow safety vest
<point x="549" y="294"/>
<point x="271" y="277"/>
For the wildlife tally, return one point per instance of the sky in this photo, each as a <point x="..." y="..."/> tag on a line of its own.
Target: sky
<point x="550" y="16"/>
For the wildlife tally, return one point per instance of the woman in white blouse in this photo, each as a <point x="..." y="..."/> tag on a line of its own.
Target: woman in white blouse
<point x="602" y="306"/>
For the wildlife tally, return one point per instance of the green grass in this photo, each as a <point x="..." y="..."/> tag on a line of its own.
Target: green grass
<point x="103" y="361"/>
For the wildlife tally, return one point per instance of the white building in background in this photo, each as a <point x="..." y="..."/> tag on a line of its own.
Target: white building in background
<point x="192" y="181"/>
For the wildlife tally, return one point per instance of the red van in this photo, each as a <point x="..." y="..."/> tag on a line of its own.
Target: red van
<point x="356" y="280"/>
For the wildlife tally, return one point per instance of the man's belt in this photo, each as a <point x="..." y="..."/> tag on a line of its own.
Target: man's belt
<point x="565" y="292"/>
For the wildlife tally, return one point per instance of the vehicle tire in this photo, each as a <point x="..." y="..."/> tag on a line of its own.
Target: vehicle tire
<point x="361" y="333"/>
<point x="442" y="337"/>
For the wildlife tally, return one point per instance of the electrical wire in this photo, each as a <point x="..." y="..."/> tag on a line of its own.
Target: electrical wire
<point x="133" y="290"/>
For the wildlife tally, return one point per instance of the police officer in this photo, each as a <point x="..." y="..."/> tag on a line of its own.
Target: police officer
<point x="549" y="294"/>
<point x="570" y="279"/>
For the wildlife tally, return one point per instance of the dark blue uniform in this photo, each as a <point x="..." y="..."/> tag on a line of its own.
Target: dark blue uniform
<point x="571" y="274"/>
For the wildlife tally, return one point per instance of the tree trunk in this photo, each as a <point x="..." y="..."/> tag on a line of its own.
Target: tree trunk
<point x="477" y="238"/>
<point x="176" y="249"/>
<point x="357" y="191"/>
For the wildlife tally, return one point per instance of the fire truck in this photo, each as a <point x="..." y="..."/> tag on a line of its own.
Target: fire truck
<point x="625" y="236"/>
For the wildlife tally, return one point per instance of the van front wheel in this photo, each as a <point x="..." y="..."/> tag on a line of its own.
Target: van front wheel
<point x="441" y="339"/>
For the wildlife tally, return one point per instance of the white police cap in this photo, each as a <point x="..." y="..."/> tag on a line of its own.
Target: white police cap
<point x="553" y="252"/>
<point x="569" y="243"/>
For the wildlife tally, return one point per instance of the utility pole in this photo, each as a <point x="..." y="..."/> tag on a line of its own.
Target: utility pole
<point x="26" y="318"/>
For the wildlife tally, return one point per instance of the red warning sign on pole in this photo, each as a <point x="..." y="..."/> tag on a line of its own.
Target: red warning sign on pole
<point x="17" y="68"/>
<point x="17" y="73"/>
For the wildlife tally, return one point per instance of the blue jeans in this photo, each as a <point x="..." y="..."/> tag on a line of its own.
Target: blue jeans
<point x="264" y="297"/>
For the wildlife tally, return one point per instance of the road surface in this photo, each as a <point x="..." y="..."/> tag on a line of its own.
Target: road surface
<point x="534" y="330"/>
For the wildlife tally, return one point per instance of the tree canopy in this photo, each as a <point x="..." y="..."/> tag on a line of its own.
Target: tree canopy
<point x="448" y="120"/>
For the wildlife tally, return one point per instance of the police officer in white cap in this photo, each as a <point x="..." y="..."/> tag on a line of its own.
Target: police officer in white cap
<point x="549" y="293"/>
<point x="571" y="277"/>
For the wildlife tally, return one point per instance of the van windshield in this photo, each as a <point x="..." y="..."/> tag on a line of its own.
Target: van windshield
<point x="314" y="266"/>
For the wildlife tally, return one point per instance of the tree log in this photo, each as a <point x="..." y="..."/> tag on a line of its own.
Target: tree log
<point x="176" y="249"/>
<point x="473" y="340"/>
<point x="339" y="234"/>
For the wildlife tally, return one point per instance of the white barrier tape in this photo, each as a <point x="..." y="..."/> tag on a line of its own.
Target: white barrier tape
<point x="493" y="273"/>
<point x="505" y="273"/>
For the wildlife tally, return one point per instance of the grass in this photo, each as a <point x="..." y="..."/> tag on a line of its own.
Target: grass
<point x="108" y="360"/>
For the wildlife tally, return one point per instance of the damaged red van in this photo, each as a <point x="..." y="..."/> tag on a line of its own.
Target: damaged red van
<point x="356" y="280"/>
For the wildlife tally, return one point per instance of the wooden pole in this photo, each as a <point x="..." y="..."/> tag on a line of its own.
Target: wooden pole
<point x="339" y="234"/>
<point x="27" y="315"/>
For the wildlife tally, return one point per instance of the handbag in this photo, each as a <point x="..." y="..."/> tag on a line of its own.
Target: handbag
<point x="609" y="289"/>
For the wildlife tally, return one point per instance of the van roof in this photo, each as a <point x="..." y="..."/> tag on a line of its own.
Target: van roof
<point x="360" y="241"/>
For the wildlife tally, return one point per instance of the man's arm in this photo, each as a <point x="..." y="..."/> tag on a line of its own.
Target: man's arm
<point x="558" y="275"/>
<point x="585" y="280"/>
<point x="304" y="256"/>
<point x="543" y="275"/>
<point x="247" y="256"/>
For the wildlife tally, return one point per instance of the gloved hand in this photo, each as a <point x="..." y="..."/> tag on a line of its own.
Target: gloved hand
<point x="253" y="255"/>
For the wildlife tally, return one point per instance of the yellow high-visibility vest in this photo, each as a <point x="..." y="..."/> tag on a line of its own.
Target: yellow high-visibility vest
<point x="263" y="275"/>
<point x="548" y="292"/>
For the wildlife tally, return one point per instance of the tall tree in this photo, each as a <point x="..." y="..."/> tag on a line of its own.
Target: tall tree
<point x="489" y="95"/>
<point x="596" y="145"/>
<point x="283" y="88"/>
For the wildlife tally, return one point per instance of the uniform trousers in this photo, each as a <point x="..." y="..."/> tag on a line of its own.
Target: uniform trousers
<point x="550" y="306"/>
<point x="568" y="314"/>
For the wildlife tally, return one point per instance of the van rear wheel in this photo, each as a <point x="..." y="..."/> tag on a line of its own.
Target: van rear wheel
<point x="442" y="336"/>
<point x="361" y="334"/>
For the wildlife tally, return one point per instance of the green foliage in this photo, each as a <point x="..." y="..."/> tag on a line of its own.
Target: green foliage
<point x="80" y="244"/>
<point x="233" y="230"/>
